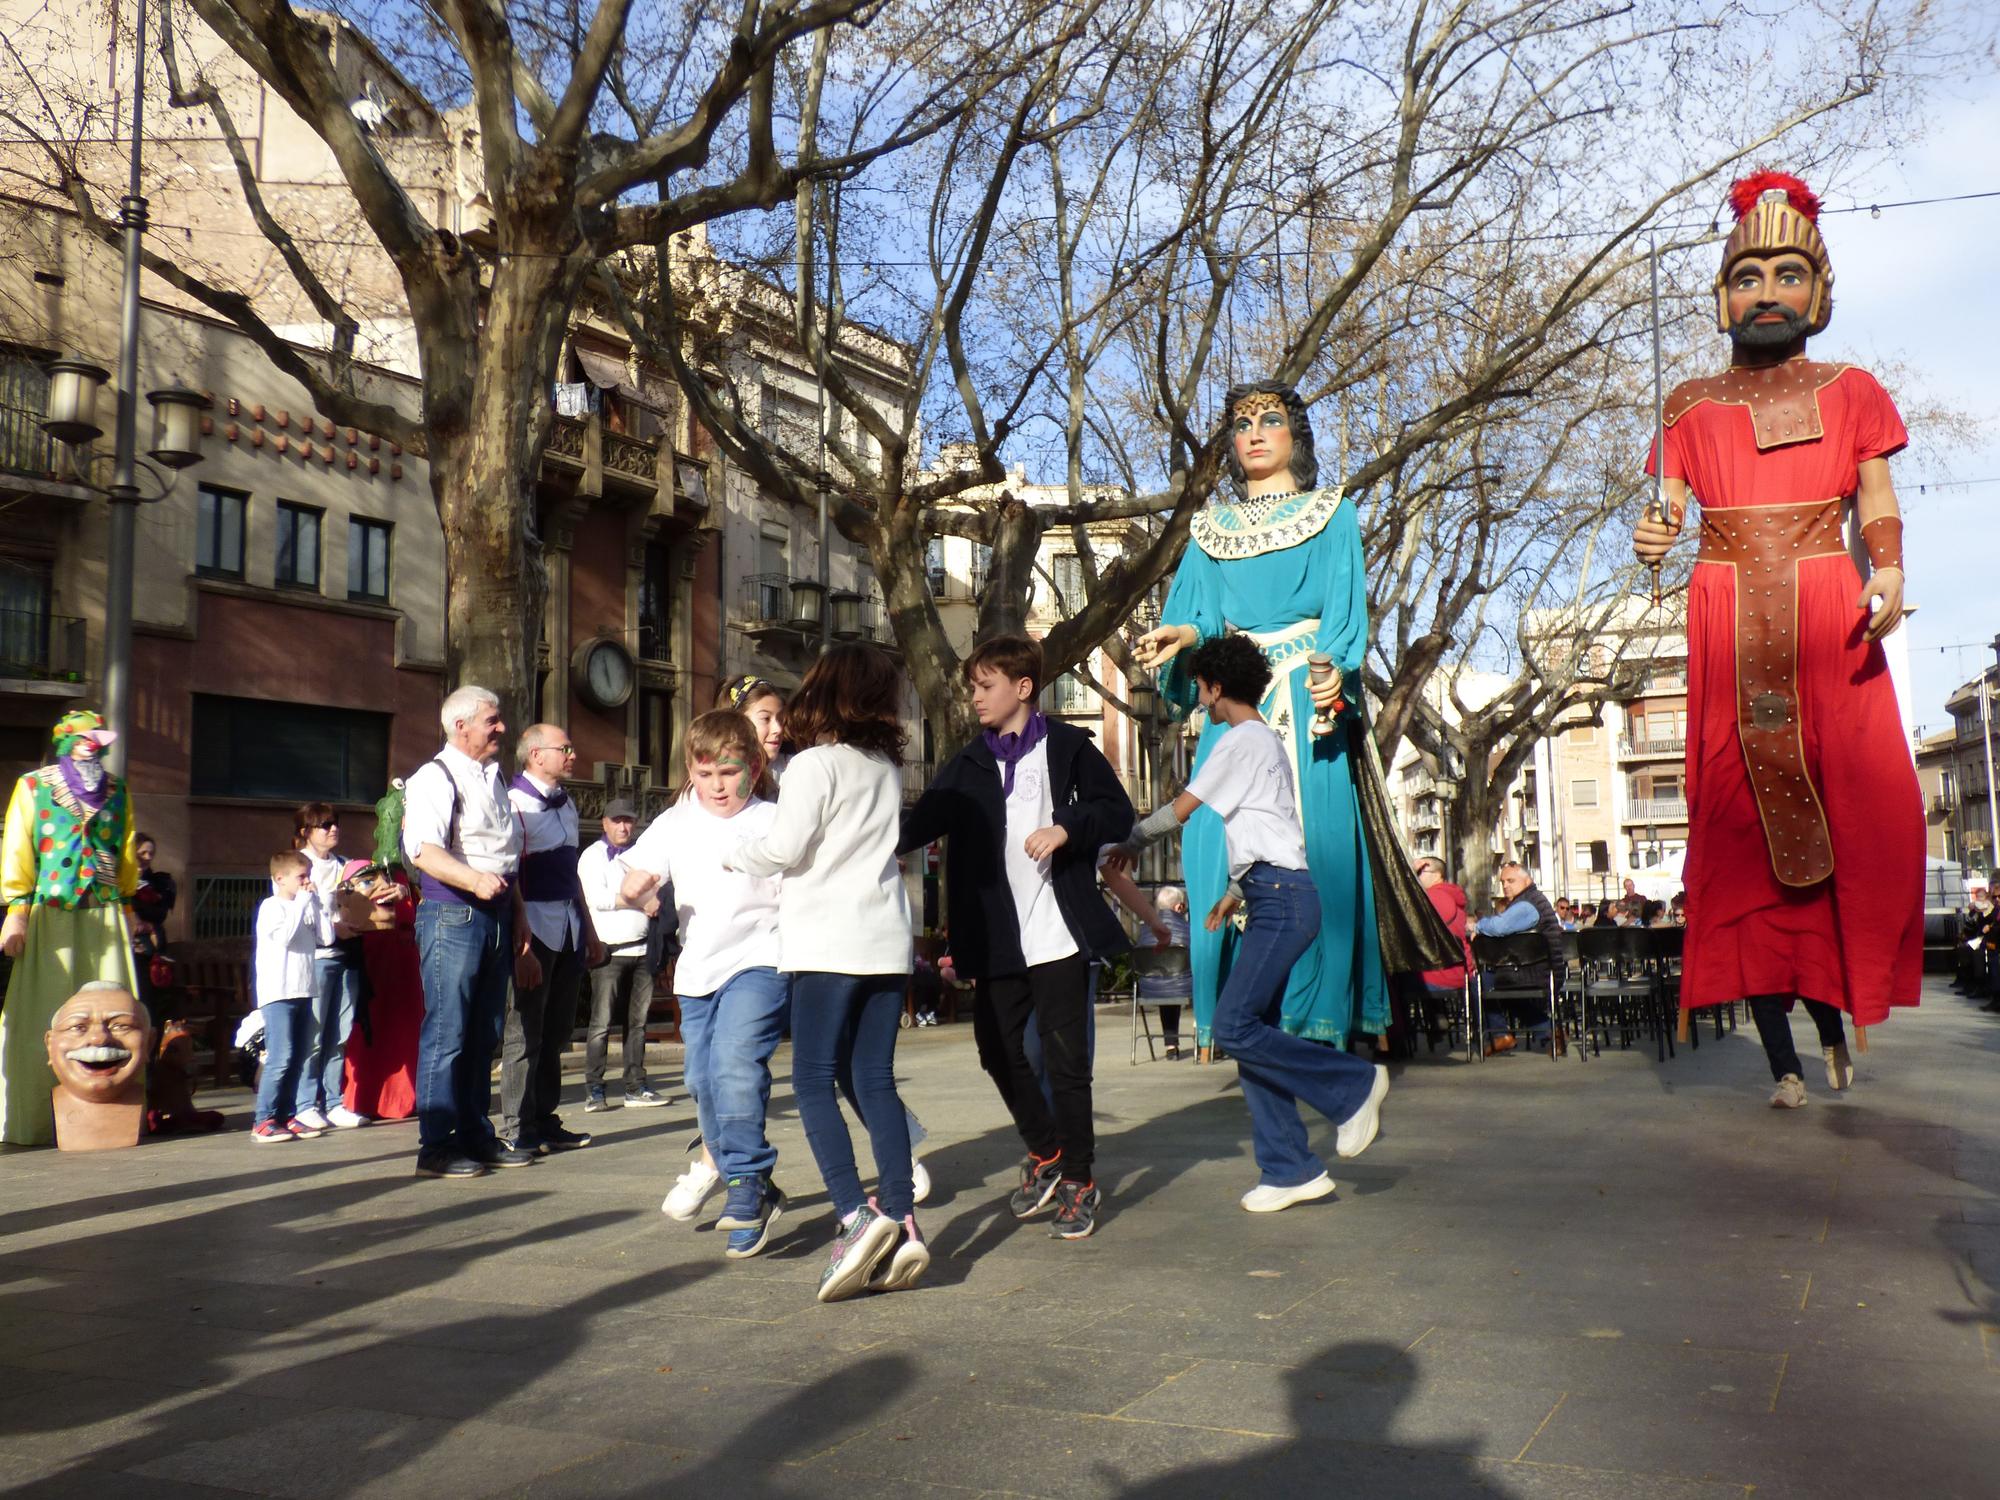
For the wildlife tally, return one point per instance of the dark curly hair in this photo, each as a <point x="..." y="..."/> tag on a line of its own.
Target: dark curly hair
<point x="1304" y="466"/>
<point x="1235" y="665"/>
<point x="852" y="695"/>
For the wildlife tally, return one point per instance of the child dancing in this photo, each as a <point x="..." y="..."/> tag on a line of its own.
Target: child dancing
<point x="1247" y="779"/>
<point x="844" y="940"/>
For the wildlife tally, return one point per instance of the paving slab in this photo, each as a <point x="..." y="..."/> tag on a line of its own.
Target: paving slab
<point x="1546" y="1281"/>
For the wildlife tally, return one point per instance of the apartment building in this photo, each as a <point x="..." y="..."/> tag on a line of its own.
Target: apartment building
<point x="1962" y="804"/>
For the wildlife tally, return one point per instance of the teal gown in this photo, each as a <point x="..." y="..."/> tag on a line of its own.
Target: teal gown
<point x="1294" y="580"/>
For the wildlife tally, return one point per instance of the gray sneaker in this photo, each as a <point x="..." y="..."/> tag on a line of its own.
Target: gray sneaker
<point x="646" y="1099"/>
<point x="865" y="1237"/>
<point x="593" y="1101"/>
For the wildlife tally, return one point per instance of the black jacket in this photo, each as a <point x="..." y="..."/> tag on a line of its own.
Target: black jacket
<point x="965" y="807"/>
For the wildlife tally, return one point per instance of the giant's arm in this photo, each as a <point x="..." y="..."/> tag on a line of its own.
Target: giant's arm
<point x="1881" y="524"/>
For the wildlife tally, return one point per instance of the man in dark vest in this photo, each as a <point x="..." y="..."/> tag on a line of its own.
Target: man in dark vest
<point x="1528" y="910"/>
<point x="541" y="1018"/>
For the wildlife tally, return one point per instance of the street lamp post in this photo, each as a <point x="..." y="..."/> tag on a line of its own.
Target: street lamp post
<point x="70" y="419"/>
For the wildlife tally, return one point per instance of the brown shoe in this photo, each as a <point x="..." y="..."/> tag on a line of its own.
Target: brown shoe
<point x="1496" y="1045"/>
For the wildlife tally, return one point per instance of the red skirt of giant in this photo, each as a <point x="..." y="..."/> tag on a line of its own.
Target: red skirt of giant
<point x="1854" y="939"/>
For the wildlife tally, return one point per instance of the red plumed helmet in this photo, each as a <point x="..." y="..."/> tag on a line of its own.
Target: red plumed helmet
<point x="1744" y="195"/>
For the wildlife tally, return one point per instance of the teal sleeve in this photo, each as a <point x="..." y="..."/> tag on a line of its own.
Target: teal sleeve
<point x="1195" y="599"/>
<point x="1343" y="619"/>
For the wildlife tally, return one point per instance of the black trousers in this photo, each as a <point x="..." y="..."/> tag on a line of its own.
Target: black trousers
<point x="622" y="985"/>
<point x="1774" y="1028"/>
<point x="537" y="1032"/>
<point x="1057" y="995"/>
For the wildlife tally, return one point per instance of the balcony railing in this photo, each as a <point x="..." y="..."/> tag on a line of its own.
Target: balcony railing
<point x="765" y="602"/>
<point x="1656" y="810"/>
<point x="1628" y="745"/>
<point x="1944" y="802"/>
<point x="48" y="648"/>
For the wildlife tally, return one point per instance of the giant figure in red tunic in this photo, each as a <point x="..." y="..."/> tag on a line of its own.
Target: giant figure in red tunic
<point x="1806" y="844"/>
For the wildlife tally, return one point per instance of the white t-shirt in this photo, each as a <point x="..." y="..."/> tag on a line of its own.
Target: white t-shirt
<point x="1045" y="936"/>
<point x="283" y="957"/>
<point x="845" y="908"/>
<point x="729" y="921"/>
<point x="1247" y="779"/>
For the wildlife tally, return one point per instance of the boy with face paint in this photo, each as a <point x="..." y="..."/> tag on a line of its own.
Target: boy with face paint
<point x="733" y="999"/>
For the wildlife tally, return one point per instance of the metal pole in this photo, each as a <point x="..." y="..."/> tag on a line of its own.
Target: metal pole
<point x="124" y="489"/>
<point x="1992" y="794"/>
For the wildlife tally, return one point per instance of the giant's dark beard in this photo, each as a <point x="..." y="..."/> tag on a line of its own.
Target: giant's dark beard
<point x="1747" y="332"/>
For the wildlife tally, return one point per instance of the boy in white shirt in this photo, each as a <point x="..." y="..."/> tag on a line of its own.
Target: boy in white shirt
<point x="733" y="999"/>
<point x="1247" y="779"/>
<point x="288" y="929"/>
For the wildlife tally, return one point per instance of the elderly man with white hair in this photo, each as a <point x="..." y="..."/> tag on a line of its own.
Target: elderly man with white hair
<point x="462" y="836"/>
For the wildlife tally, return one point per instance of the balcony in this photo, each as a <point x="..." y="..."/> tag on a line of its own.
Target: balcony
<point x="1640" y="748"/>
<point x="1531" y="818"/>
<point x="778" y="604"/>
<point x="1944" y="803"/>
<point x="1656" y="810"/>
<point x="41" y="652"/>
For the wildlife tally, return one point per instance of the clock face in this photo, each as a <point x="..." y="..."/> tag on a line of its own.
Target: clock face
<point x="607" y="675"/>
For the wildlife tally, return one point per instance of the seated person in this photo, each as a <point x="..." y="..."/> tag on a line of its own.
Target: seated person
<point x="1565" y="914"/>
<point x="1528" y="910"/>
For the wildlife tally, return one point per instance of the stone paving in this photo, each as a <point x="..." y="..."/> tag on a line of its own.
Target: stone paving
<point x="1614" y="1278"/>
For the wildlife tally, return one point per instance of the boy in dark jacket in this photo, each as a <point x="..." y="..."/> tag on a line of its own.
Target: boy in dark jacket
<point x="1025" y="810"/>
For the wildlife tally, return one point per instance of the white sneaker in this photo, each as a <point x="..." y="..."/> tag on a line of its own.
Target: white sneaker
<point x="1839" y="1068"/>
<point x="340" y="1117"/>
<point x="312" y="1119"/>
<point x="691" y="1189"/>
<point x="1263" y="1199"/>
<point x="920" y="1181"/>
<point x="1358" y="1129"/>
<point x="1790" y="1093"/>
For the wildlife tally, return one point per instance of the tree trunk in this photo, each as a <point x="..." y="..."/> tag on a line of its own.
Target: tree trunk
<point x="1470" y="817"/>
<point x="485" y="465"/>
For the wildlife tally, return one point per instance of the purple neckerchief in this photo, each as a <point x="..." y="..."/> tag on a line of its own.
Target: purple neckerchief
<point x="1009" y="749"/>
<point x="522" y="782"/>
<point x="73" y="779"/>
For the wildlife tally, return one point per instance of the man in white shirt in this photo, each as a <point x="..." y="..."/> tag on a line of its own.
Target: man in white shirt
<point x="465" y="842"/>
<point x="622" y="984"/>
<point x="541" y="1017"/>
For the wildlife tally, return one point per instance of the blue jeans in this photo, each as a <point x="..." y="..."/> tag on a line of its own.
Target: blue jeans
<point x="336" y="993"/>
<point x="468" y="963"/>
<point x="1277" y="1069"/>
<point x="852" y="1020"/>
<point x="730" y="1036"/>
<point x="287" y="1033"/>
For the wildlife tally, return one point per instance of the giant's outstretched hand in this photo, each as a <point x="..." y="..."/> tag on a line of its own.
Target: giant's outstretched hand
<point x="1156" y="648"/>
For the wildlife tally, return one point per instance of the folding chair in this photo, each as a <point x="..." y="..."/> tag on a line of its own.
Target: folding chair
<point x="1506" y="968"/>
<point x="1618" y="972"/>
<point x="1154" y="963"/>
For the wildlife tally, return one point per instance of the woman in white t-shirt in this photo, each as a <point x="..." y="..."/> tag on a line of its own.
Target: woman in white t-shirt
<point x="1247" y="779"/>
<point x="844" y="939"/>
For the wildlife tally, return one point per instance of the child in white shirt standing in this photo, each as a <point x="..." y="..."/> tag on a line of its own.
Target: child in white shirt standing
<point x="1247" y="779"/>
<point x="844" y="939"/>
<point x="288" y="929"/>
<point x="733" y="999"/>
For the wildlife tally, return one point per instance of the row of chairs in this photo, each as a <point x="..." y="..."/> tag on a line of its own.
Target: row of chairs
<point x="1595" y="984"/>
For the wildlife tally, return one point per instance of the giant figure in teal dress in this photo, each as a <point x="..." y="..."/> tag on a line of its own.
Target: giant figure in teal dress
<point x="1286" y="569"/>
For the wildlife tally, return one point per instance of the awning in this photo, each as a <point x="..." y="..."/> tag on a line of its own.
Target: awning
<point x="605" y="371"/>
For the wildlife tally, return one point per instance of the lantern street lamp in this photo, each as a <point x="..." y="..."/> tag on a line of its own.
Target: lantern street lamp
<point x="71" y="419"/>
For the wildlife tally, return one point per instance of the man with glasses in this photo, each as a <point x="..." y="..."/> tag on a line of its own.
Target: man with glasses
<point x="542" y="1014"/>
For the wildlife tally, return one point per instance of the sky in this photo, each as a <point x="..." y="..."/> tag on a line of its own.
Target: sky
<point x="1915" y="288"/>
